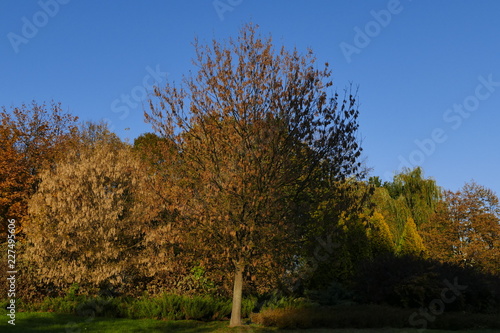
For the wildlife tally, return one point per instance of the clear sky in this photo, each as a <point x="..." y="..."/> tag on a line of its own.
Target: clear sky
<point x="428" y="71"/>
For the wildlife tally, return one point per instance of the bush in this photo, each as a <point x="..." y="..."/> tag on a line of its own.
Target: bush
<point x="59" y="305"/>
<point x="276" y="301"/>
<point x="167" y="307"/>
<point x="197" y="308"/>
<point x="414" y="282"/>
<point x="334" y="294"/>
<point x="99" y="307"/>
<point x="366" y="316"/>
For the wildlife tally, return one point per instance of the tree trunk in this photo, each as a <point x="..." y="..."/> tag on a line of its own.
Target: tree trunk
<point x="237" y="296"/>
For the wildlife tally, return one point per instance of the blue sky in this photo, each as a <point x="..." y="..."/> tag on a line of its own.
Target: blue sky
<point x="428" y="71"/>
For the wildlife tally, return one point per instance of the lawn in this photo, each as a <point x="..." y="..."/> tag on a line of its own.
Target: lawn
<point x="51" y="322"/>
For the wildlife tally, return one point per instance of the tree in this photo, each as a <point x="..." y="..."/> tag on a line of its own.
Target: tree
<point x="13" y="178"/>
<point x="89" y="216"/>
<point x="466" y="229"/>
<point x="406" y="204"/>
<point x="411" y="243"/>
<point x="31" y="138"/>
<point x="421" y="195"/>
<point x="380" y="235"/>
<point x="251" y="129"/>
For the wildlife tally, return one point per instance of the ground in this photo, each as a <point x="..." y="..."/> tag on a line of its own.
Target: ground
<point x="50" y="322"/>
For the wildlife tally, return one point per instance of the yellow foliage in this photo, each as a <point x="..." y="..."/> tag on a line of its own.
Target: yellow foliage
<point x="379" y="233"/>
<point x="411" y="243"/>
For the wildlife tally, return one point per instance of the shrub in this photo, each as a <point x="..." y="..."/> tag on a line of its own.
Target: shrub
<point x="176" y="307"/>
<point x="366" y="316"/>
<point x="276" y="301"/>
<point x="249" y="304"/>
<point x="197" y="308"/>
<point x="334" y="294"/>
<point x="99" y="307"/>
<point x="166" y="306"/>
<point x="414" y="282"/>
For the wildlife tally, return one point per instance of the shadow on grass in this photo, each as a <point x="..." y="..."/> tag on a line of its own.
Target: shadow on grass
<point x="51" y="322"/>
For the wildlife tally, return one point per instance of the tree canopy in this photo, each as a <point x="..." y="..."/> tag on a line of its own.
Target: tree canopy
<point x="253" y="128"/>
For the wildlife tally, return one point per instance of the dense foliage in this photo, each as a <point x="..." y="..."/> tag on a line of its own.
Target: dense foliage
<point x="251" y="186"/>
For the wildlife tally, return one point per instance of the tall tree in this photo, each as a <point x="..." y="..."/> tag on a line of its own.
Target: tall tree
<point x="252" y="127"/>
<point x="420" y="194"/>
<point x="407" y="203"/>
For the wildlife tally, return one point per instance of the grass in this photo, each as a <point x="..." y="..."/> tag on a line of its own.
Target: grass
<point x="51" y="322"/>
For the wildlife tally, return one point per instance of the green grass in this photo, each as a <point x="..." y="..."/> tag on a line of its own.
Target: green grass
<point x="51" y="322"/>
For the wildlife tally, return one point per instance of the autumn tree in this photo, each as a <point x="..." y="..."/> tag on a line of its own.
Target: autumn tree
<point x="31" y="137"/>
<point x="14" y="178"/>
<point x="251" y="127"/>
<point x="466" y="228"/>
<point x="89" y="215"/>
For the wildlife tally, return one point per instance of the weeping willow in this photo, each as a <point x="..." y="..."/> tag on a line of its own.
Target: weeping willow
<point x="409" y="197"/>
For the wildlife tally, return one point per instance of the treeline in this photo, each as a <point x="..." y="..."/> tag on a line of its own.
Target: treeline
<point x="251" y="184"/>
<point x="98" y="212"/>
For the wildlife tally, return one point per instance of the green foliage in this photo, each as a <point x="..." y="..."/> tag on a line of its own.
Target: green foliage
<point x="99" y="307"/>
<point x="420" y="195"/>
<point x="277" y="301"/>
<point x="59" y="305"/>
<point x="65" y="304"/>
<point x="165" y="307"/>
<point x="197" y="282"/>
<point x="334" y="294"/>
<point x="72" y="291"/>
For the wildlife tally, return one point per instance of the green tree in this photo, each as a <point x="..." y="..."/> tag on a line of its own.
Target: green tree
<point x="251" y="129"/>
<point x="407" y="203"/>
<point x="421" y="195"/>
